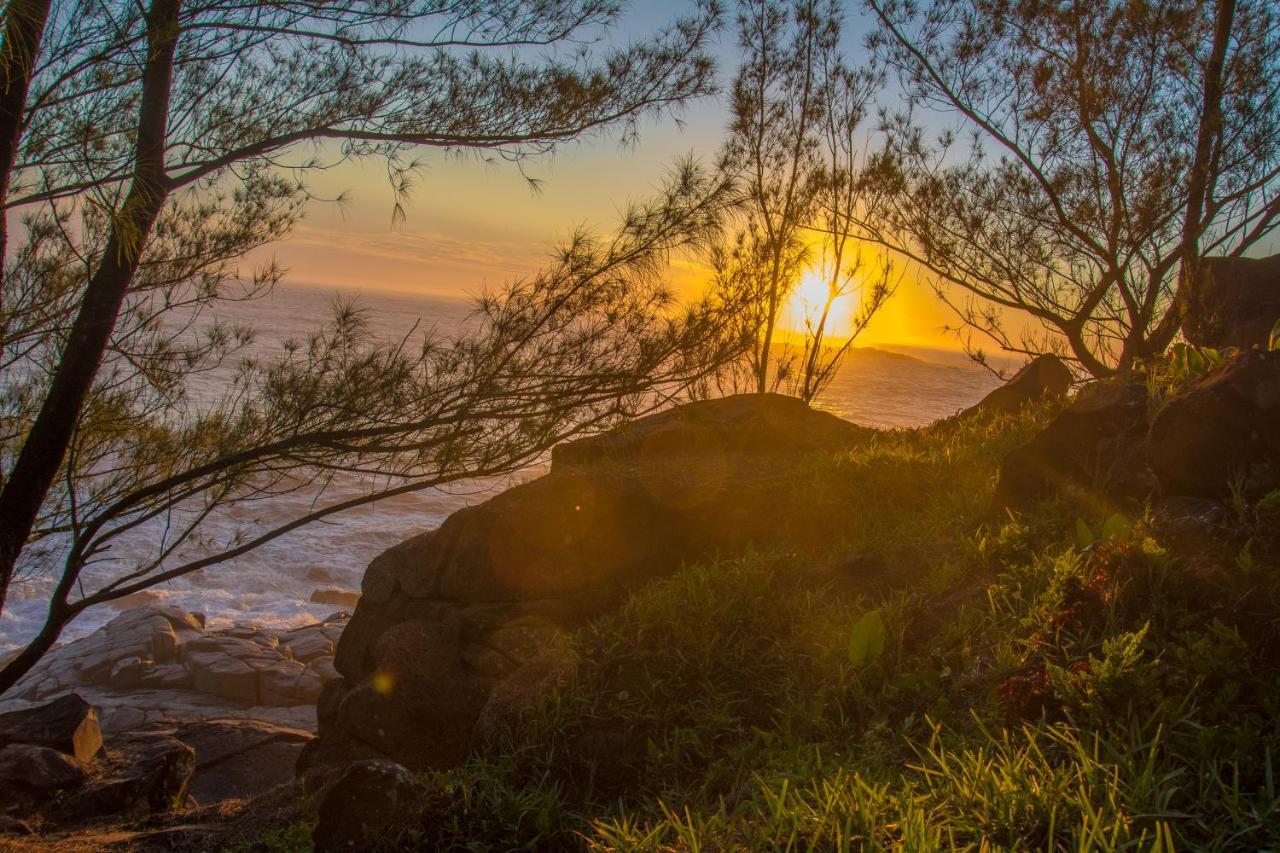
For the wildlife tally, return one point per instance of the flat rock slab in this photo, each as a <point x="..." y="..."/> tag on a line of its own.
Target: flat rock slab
<point x="236" y="759"/>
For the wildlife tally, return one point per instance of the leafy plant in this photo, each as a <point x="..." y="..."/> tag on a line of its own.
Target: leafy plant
<point x="866" y="643"/>
<point x="1116" y="527"/>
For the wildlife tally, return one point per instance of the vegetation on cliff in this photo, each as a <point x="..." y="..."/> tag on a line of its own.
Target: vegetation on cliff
<point x="1062" y="679"/>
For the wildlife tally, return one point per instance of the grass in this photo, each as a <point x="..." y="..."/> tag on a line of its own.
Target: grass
<point x="1012" y="685"/>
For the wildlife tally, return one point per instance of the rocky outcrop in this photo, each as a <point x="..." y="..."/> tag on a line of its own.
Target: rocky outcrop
<point x="142" y="774"/>
<point x="1094" y="445"/>
<point x="478" y="611"/>
<point x="155" y="662"/>
<point x="57" y="771"/>
<point x="1045" y="377"/>
<point x="1218" y="435"/>
<point x="56" y="768"/>
<point x="1234" y="303"/>
<point x="1222" y="430"/>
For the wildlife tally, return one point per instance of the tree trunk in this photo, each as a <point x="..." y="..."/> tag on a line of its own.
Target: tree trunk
<point x="46" y="445"/>
<point x="1199" y="180"/>
<point x="23" y="34"/>
<point x="35" y="650"/>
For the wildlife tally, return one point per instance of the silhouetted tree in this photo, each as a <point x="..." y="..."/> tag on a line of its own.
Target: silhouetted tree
<point x="841" y="197"/>
<point x="148" y="147"/>
<point x="794" y="146"/>
<point x="1130" y="139"/>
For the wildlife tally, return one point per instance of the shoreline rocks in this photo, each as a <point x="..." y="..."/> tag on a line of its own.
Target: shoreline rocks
<point x="154" y="662"/>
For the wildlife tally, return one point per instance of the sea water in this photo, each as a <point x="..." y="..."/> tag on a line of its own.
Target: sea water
<point x="273" y="584"/>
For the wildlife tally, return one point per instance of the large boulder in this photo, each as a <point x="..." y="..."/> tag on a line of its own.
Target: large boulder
<point x="68" y="724"/>
<point x="1222" y="431"/>
<point x="369" y="802"/>
<point x="448" y="615"/>
<point x="1234" y="302"/>
<point x="1093" y="446"/>
<point x="1045" y="377"/>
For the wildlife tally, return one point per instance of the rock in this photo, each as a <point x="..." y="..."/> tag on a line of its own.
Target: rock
<point x="1222" y="428"/>
<point x="151" y="634"/>
<point x="337" y="597"/>
<point x="216" y="673"/>
<point x="1234" y="303"/>
<point x="38" y="768"/>
<point x="421" y="703"/>
<point x="308" y="644"/>
<point x="236" y="759"/>
<point x="1045" y="377"/>
<point x="370" y="801"/>
<point x="320" y="575"/>
<point x="140" y="598"/>
<point x="13" y="826"/>
<point x="68" y="724"/>
<point x="144" y="773"/>
<point x="520" y="690"/>
<point x="288" y="682"/>
<point x="741" y="424"/>
<point x="167" y="676"/>
<point x="127" y="673"/>
<point x="115" y="668"/>
<point x="448" y="615"/>
<point x="1095" y="444"/>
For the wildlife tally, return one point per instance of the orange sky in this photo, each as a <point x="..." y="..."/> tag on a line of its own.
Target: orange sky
<point x="470" y="223"/>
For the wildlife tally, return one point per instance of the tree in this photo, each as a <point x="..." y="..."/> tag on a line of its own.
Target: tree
<point x="841" y="197"/>
<point x="1132" y="138"/>
<point x="793" y="144"/>
<point x="155" y="146"/>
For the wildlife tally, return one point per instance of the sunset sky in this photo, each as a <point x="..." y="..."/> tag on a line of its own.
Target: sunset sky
<point x="472" y="223"/>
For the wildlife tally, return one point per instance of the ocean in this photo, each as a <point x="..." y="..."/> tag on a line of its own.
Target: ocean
<point x="886" y="388"/>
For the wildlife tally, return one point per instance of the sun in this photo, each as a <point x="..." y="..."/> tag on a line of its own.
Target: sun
<point x="804" y="307"/>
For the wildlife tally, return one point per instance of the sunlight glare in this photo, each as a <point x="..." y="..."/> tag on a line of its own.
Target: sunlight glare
<point x="804" y="308"/>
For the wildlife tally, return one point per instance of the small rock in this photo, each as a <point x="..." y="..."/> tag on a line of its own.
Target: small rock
<point x="288" y="682"/>
<point x="316" y="574"/>
<point x="308" y="644"/>
<point x="370" y="800"/>
<point x="336" y="597"/>
<point x="68" y="724"/>
<point x="140" y="598"/>
<point x="323" y="667"/>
